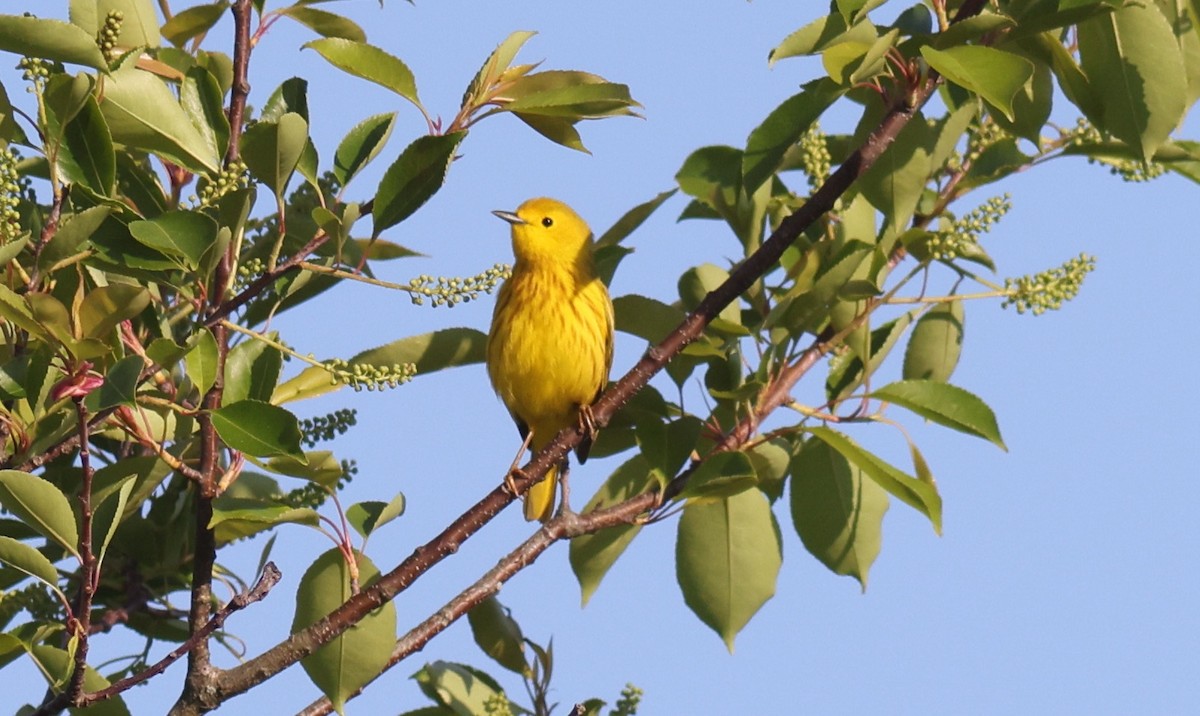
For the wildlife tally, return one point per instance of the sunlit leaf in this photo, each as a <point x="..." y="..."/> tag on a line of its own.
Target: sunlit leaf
<point x="370" y="63"/>
<point x="946" y="405"/>
<point x="837" y="511"/>
<point x="258" y="428"/>
<point x="498" y="634"/>
<point x="50" y="39"/>
<point x="413" y="178"/>
<point x="727" y="558"/>
<point x="351" y="660"/>
<point x="40" y="505"/>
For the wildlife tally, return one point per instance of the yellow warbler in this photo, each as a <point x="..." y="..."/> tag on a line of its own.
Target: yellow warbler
<point x="550" y="346"/>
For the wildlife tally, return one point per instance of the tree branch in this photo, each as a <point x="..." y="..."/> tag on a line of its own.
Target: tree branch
<point x="270" y="577"/>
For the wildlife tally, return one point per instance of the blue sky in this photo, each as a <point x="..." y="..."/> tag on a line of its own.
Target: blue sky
<point x="1065" y="579"/>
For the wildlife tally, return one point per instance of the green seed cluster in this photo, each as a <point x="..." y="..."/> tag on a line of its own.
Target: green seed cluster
<point x="631" y="698"/>
<point x="1048" y="290"/>
<point x="233" y="177"/>
<point x="247" y="271"/>
<point x="452" y="291"/>
<point x="327" y="427"/>
<point x="361" y="376"/>
<point x="314" y="495"/>
<point x="106" y="38"/>
<point x="33" y="598"/>
<point x="951" y="243"/>
<point x="1129" y="170"/>
<point x="497" y="705"/>
<point x="35" y="71"/>
<point x="11" y="190"/>
<point x="1084" y="132"/>
<point x="1133" y="171"/>
<point x="814" y="153"/>
<point x="985" y="134"/>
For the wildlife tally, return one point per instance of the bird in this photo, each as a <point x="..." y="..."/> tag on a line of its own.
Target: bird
<point x="550" y="346"/>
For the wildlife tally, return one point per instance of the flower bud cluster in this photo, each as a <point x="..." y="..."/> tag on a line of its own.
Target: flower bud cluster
<point x="1048" y="290"/>
<point x="361" y="376"/>
<point x="453" y="290"/>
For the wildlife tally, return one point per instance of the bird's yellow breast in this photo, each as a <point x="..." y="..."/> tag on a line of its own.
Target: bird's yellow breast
<point x="550" y="346"/>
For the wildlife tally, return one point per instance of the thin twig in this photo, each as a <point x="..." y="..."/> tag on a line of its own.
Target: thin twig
<point x="270" y="577"/>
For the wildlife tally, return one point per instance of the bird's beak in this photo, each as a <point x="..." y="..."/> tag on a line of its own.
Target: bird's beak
<point x="510" y="217"/>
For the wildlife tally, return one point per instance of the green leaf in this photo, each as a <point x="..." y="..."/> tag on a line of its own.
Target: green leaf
<point x="73" y="232"/>
<point x="201" y="98"/>
<point x="40" y="505"/>
<point x="494" y="66"/>
<point x="498" y="634"/>
<point x="592" y="555"/>
<point x="259" y="429"/>
<point x="57" y="665"/>
<point x="936" y="343"/>
<point x="836" y="511"/>
<point x="366" y="517"/>
<point x="782" y="128"/>
<point x="183" y="234"/>
<point x="771" y="460"/>
<point x="89" y="143"/>
<point x="895" y="182"/>
<point x="52" y="315"/>
<point x="319" y="466"/>
<point x="993" y="74"/>
<point x="193" y="22"/>
<point x="820" y="34"/>
<point x="106" y="306"/>
<point x="326" y="24"/>
<point x="430" y="352"/>
<point x="1031" y="104"/>
<point x="413" y="178"/>
<point x="139" y="27"/>
<point x="251" y="371"/>
<point x="916" y="493"/>
<point x="569" y="94"/>
<point x="109" y="512"/>
<point x="713" y="175"/>
<point x="459" y="689"/>
<point x="233" y="520"/>
<point x="370" y="63"/>
<point x="646" y="317"/>
<point x="557" y="129"/>
<point x="946" y="405"/>
<point x="120" y="383"/>
<point x="359" y="654"/>
<point x="667" y="446"/>
<point x="362" y="144"/>
<point x="1135" y="67"/>
<point x="201" y="361"/>
<point x="16" y="309"/>
<point x="51" y="39"/>
<point x="727" y="558"/>
<point x="722" y="474"/>
<point x="26" y="559"/>
<point x="290" y="96"/>
<point x="272" y="150"/>
<point x="848" y="373"/>
<point x="143" y="113"/>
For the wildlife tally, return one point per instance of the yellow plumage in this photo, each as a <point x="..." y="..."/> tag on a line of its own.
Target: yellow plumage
<point x="550" y="346"/>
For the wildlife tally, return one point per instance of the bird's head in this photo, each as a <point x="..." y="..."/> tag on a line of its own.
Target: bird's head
<point x="546" y="230"/>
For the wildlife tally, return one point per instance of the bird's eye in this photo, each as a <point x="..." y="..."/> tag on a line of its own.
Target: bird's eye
<point x="547" y="222"/>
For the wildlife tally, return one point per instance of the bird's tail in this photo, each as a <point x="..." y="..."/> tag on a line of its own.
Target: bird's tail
<point x="539" y="501"/>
